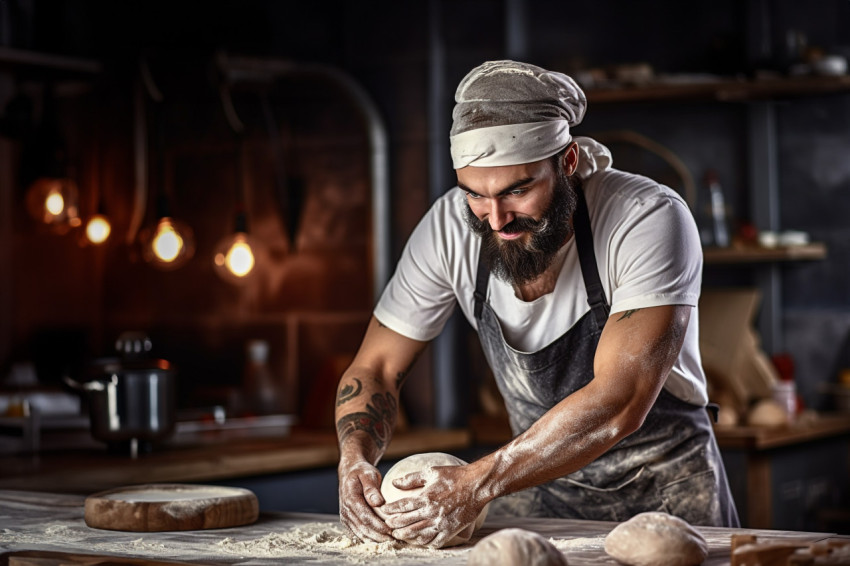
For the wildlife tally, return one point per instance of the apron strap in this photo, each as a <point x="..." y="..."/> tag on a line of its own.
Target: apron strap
<point x="587" y="259"/>
<point x="482" y="278"/>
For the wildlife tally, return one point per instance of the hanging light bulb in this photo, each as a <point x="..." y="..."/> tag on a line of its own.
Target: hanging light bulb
<point x="169" y="244"/>
<point x="52" y="196"/>
<point x="235" y="258"/>
<point x="53" y="201"/>
<point x="98" y="229"/>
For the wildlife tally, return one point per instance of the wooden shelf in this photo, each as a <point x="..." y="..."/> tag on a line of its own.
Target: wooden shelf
<point x="223" y="455"/>
<point x="722" y="89"/>
<point x="764" y="438"/>
<point x="47" y="61"/>
<point x="808" y="252"/>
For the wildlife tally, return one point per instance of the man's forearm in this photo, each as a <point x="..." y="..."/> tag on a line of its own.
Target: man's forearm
<point x="366" y="414"/>
<point x="565" y="439"/>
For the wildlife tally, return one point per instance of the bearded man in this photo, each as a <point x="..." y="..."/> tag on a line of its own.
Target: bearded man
<point x="582" y="282"/>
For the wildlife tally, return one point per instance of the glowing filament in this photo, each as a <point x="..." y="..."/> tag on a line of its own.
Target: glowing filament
<point x="167" y="243"/>
<point x="239" y="258"/>
<point x="97" y="229"/>
<point x="54" y="203"/>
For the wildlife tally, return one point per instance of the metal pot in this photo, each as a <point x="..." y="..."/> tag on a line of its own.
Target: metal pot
<point x="132" y="400"/>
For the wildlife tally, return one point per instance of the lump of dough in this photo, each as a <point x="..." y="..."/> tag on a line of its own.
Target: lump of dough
<point x="423" y="463"/>
<point x="767" y="412"/>
<point x="515" y="547"/>
<point x="656" y="539"/>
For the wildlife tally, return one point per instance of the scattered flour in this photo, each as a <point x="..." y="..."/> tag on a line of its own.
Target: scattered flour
<point x="168" y="495"/>
<point x="321" y="539"/>
<point x="578" y="544"/>
<point x="322" y="542"/>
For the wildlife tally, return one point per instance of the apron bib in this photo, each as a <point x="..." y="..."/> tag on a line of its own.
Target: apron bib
<point x="671" y="464"/>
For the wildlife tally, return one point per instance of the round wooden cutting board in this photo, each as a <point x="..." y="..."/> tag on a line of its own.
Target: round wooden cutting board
<point x="171" y="507"/>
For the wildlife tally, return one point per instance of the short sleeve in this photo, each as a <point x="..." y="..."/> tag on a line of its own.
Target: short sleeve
<point x="657" y="257"/>
<point x="420" y="297"/>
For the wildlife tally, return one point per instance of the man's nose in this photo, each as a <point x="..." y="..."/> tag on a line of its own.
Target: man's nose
<point x="498" y="216"/>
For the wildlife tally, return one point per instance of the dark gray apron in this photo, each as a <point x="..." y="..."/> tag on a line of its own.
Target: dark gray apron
<point x="671" y="464"/>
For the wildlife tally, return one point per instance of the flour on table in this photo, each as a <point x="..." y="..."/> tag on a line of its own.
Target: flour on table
<point x="322" y="539"/>
<point x="168" y="495"/>
<point x="578" y="544"/>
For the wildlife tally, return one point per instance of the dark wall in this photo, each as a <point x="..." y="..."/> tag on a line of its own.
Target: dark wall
<point x="390" y="48"/>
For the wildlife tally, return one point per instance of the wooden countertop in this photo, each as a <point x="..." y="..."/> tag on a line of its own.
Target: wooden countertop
<point x="202" y="458"/>
<point x="49" y="522"/>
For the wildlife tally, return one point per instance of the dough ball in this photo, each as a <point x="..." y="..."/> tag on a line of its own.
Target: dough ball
<point x="515" y="547"/>
<point x="767" y="412"/>
<point x="423" y="463"/>
<point x="727" y="416"/>
<point x="656" y="539"/>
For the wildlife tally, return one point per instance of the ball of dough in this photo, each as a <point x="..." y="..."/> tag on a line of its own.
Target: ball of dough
<point x="515" y="547"/>
<point x="656" y="539"/>
<point x="423" y="463"/>
<point x="767" y="412"/>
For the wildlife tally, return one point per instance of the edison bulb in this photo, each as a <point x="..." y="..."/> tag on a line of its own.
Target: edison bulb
<point x="167" y="242"/>
<point x="53" y="201"/>
<point x="169" y="245"/>
<point x="235" y="258"/>
<point x="98" y="229"/>
<point x="239" y="258"/>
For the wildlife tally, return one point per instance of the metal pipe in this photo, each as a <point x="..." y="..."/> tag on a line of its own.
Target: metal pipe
<point x="264" y="70"/>
<point x="140" y="162"/>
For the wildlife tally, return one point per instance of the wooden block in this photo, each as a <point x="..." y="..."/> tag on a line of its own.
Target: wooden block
<point x="170" y="507"/>
<point x="741" y="540"/>
<point x="764" y="554"/>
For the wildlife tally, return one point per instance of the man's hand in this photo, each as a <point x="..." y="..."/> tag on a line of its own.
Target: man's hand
<point x="445" y="508"/>
<point x="359" y="492"/>
<point x="366" y="414"/>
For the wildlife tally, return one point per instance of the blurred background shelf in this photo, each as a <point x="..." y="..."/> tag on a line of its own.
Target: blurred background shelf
<point x="808" y="252"/>
<point x="721" y="89"/>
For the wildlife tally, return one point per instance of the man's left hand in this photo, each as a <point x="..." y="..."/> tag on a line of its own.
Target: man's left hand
<point x="445" y="508"/>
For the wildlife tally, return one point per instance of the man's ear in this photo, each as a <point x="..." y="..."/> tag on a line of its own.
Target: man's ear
<point x="570" y="163"/>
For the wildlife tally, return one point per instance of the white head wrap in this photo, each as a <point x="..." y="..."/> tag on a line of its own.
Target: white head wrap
<point x="508" y="113"/>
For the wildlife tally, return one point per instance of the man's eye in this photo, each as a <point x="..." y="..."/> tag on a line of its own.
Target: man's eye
<point x="473" y="195"/>
<point x="517" y="192"/>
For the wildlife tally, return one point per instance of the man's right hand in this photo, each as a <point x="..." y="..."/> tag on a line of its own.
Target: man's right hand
<point x="359" y="493"/>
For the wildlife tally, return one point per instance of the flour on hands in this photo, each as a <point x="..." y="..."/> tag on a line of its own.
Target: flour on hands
<point x="433" y="510"/>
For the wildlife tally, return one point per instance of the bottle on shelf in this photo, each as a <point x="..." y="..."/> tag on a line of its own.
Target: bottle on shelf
<point x="785" y="389"/>
<point x="262" y="395"/>
<point x="719" y="227"/>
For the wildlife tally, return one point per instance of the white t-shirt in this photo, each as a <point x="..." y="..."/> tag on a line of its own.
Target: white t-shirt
<point x="647" y="251"/>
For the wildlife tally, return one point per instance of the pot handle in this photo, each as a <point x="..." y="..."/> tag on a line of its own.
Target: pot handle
<point x="87" y="386"/>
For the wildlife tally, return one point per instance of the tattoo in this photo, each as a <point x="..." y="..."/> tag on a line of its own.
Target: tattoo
<point x="627" y="314"/>
<point x="348" y="392"/>
<point x="377" y="421"/>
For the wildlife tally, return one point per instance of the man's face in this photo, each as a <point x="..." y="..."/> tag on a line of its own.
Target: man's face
<point x="522" y="213"/>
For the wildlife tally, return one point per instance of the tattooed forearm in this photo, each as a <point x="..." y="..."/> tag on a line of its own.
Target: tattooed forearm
<point x="349" y="392"/>
<point x="627" y="314"/>
<point x="377" y="420"/>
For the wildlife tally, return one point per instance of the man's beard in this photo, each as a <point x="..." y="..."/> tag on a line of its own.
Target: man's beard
<point x="518" y="261"/>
